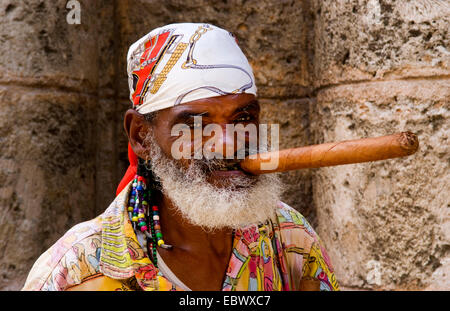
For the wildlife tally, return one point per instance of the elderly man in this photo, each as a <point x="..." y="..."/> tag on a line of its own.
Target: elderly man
<point x="188" y="223"/>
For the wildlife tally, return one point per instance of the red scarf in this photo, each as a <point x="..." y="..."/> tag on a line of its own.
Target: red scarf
<point x="131" y="171"/>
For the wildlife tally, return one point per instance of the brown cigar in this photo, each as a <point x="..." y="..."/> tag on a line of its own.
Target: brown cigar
<point x="337" y="153"/>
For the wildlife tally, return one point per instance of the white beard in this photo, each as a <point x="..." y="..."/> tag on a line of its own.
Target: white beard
<point x="208" y="206"/>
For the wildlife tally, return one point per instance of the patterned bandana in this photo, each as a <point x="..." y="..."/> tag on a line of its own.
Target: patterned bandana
<point x="178" y="63"/>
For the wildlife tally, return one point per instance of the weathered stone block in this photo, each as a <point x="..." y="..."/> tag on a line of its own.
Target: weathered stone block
<point x="106" y="175"/>
<point x="379" y="39"/>
<point x="386" y="224"/>
<point x="39" y="48"/>
<point x="106" y="35"/>
<point x="292" y="116"/>
<point x="47" y="173"/>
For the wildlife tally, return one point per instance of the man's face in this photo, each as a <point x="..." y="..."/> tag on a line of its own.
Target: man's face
<point x="208" y="192"/>
<point x="218" y="111"/>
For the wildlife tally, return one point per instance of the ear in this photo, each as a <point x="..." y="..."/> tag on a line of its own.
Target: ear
<point x="137" y="128"/>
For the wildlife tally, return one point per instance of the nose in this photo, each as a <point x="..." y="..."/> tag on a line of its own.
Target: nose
<point x="227" y="143"/>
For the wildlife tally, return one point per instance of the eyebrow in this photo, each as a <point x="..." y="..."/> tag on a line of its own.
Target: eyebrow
<point x="251" y="105"/>
<point x="187" y="115"/>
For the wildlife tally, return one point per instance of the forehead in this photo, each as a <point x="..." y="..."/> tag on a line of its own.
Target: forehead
<point x="214" y="106"/>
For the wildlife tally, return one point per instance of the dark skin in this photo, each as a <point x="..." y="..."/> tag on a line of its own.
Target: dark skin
<point x="205" y="255"/>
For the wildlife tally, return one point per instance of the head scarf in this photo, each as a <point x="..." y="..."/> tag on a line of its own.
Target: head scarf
<point x="179" y="63"/>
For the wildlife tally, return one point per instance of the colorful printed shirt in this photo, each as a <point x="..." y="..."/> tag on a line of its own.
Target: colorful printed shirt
<point x="104" y="254"/>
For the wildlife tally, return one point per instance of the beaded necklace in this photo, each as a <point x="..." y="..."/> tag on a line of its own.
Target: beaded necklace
<point x="144" y="218"/>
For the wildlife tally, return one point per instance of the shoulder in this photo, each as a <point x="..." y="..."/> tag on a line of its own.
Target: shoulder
<point x="73" y="258"/>
<point x="304" y="250"/>
<point x="289" y="219"/>
<point x="296" y="235"/>
<point x="296" y="232"/>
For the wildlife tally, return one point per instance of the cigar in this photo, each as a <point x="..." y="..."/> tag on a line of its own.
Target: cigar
<point x="332" y="154"/>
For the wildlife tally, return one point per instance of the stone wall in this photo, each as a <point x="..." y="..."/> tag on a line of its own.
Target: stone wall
<point x="52" y="85"/>
<point x="326" y="71"/>
<point x="382" y="67"/>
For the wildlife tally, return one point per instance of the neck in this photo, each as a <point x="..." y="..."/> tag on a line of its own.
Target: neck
<point x="199" y="258"/>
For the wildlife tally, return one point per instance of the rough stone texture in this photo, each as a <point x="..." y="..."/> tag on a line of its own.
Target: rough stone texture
<point x="47" y="169"/>
<point x="106" y="154"/>
<point x="360" y="40"/>
<point x="392" y="213"/>
<point x="107" y="115"/>
<point x="293" y="119"/>
<point x="39" y="48"/>
<point x="50" y="162"/>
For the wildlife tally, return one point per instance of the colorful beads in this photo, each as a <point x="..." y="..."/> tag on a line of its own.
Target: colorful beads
<point x="144" y="218"/>
<point x="156" y="227"/>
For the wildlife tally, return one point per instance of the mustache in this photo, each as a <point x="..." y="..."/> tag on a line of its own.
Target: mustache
<point x="215" y="161"/>
<point x="217" y="164"/>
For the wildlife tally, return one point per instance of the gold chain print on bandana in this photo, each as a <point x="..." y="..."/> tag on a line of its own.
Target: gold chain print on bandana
<point x="191" y="63"/>
<point x="162" y="76"/>
<point x="194" y="38"/>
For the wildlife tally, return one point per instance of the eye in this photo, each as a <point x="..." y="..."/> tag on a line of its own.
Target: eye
<point x="244" y="118"/>
<point x="195" y="125"/>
